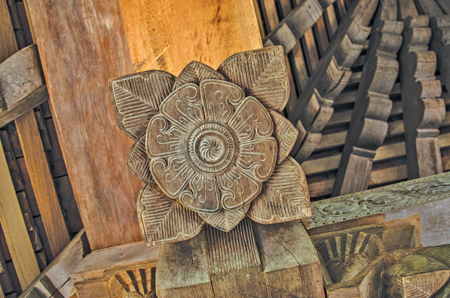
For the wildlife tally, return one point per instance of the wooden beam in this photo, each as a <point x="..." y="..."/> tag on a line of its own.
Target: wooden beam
<point x="77" y="69"/>
<point x="42" y="182"/>
<point x="14" y="228"/>
<point x="57" y="272"/>
<point x="22" y="84"/>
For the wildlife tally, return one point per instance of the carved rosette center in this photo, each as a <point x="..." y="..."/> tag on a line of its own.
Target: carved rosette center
<point x="211" y="147"/>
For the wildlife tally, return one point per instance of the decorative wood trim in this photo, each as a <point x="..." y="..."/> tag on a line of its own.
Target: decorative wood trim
<point x="368" y="126"/>
<point x="423" y="110"/>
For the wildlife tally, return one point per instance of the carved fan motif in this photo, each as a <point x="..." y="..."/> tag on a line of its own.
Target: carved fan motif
<point x="137" y="283"/>
<point x="211" y="145"/>
<point x="346" y="256"/>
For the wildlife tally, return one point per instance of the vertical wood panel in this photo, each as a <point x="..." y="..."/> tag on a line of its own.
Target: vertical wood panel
<point x="14" y="228"/>
<point x="42" y="182"/>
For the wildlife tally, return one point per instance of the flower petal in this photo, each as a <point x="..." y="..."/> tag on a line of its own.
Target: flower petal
<point x="251" y="120"/>
<point x="137" y="97"/>
<point x="225" y="220"/>
<point x="184" y="107"/>
<point x="195" y="72"/>
<point x="139" y="163"/>
<point x="164" y="220"/>
<point x="261" y="73"/>
<point x="163" y="138"/>
<point x="284" y="197"/>
<point x="201" y="195"/>
<point x="171" y="174"/>
<point x="285" y="133"/>
<point x="220" y="99"/>
<point x="237" y="189"/>
<point x="257" y="158"/>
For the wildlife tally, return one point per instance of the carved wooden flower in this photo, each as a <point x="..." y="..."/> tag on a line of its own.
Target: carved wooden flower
<point x="210" y="145"/>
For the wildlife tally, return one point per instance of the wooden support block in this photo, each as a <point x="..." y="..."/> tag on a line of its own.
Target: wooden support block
<point x="97" y="272"/>
<point x="14" y="228"/>
<point x="279" y="260"/>
<point x="42" y="182"/>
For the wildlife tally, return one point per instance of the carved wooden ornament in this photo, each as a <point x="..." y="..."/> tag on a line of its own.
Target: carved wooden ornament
<point x="206" y="143"/>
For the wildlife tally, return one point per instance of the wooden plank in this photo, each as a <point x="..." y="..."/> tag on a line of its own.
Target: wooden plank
<point x="8" y="45"/>
<point x="270" y="15"/>
<point x="320" y="32"/>
<point x="157" y="41"/>
<point x="311" y="55"/>
<point x="57" y="272"/>
<point x="428" y="7"/>
<point x="444" y="6"/>
<point x="14" y="228"/>
<point x="332" y="140"/>
<point x="42" y="182"/>
<point x="124" y="39"/>
<point x="331" y="21"/>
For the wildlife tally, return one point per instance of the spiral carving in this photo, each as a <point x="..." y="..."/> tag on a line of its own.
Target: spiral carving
<point x="211" y="148"/>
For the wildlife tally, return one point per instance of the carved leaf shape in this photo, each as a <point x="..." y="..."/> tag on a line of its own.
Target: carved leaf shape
<point x="225" y="220"/>
<point x="284" y="197"/>
<point x="285" y="133"/>
<point x="139" y="163"/>
<point x="164" y="220"/>
<point x="137" y="97"/>
<point x="424" y="285"/>
<point x="196" y="72"/>
<point x="260" y="73"/>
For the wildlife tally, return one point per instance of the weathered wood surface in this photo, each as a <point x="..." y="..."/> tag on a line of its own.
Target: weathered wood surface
<point x="368" y="126"/>
<point x="427" y="197"/>
<point x="158" y="37"/>
<point x="42" y="182"/>
<point x="55" y="280"/>
<point x="423" y="110"/>
<point x="15" y="230"/>
<point x="22" y="85"/>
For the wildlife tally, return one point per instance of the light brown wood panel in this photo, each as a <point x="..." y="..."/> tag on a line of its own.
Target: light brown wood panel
<point x="82" y="45"/>
<point x="42" y="182"/>
<point x="311" y="54"/>
<point x="14" y="228"/>
<point x="8" y="45"/>
<point x="320" y="32"/>
<point x="331" y="21"/>
<point x="169" y="35"/>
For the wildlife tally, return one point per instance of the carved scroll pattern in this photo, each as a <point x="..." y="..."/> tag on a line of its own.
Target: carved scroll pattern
<point x="165" y="220"/>
<point x="132" y="283"/>
<point x="380" y="200"/>
<point x="423" y="111"/>
<point x="313" y="109"/>
<point x="440" y="43"/>
<point x="239" y="244"/>
<point x="368" y="126"/>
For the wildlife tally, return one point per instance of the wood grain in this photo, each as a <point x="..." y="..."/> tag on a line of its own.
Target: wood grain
<point x="158" y="39"/>
<point x="42" y="182"/>
<point x="14" y="228"/>
<point x="77" y="69"/>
